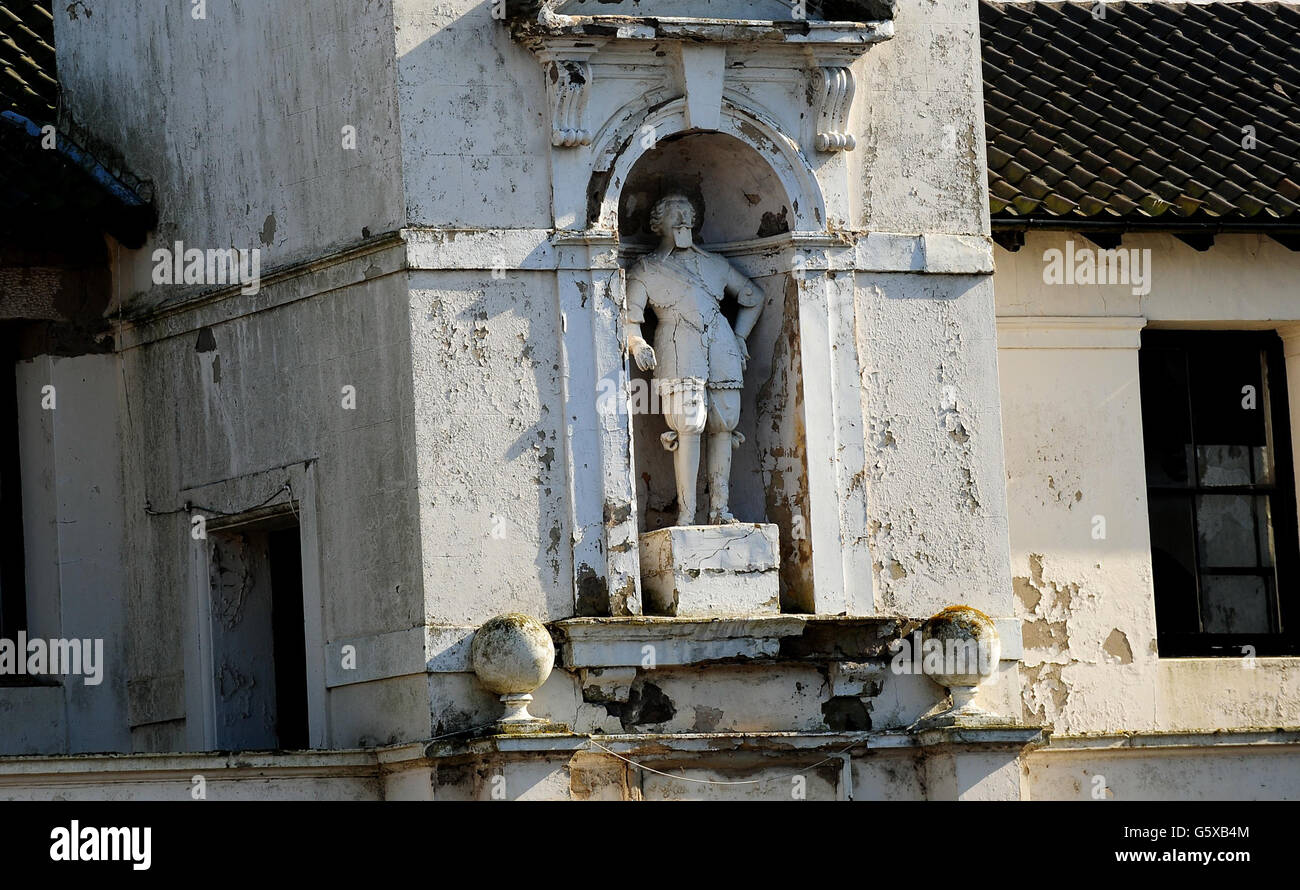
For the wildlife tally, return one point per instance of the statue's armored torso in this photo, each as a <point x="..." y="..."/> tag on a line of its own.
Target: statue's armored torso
<point x="693" y="339"/>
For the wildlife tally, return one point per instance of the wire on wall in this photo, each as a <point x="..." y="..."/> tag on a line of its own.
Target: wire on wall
<point x="190" y="506"/>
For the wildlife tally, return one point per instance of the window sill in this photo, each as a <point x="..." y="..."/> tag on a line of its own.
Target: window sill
<point x="26" y="681"/>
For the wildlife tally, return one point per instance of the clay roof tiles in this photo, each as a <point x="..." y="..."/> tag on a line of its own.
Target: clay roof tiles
<point x="28" y="82"/>
<point x="1123" y="111"/>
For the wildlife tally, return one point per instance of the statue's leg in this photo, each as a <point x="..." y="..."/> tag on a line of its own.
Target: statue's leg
<point x="724" y="416"/>
<point x="686" y="466"/>
<point x="685" y="413"/>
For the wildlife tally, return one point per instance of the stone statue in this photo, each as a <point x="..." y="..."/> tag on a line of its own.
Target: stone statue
<point x="698" y="360"/>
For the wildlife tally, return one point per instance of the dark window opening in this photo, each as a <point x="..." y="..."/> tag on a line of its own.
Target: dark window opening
<point x="290" y="646"/>
<point x="13" y="581"/>
<point x="258" y="636"/>
<point x="1221" y="493"/>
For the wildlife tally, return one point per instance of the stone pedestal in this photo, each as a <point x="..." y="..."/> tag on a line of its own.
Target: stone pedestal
<point x="703" y="570"/>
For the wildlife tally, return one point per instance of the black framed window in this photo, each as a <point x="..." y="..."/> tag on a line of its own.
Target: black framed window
<point x="13" y="587"/>
<point x="1220" y="493"/>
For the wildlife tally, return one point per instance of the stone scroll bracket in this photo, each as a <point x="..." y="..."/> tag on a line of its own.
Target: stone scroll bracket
<point x="568" y="82"/>
<point x="568" y="88"/>
<point x="835" y="90"/>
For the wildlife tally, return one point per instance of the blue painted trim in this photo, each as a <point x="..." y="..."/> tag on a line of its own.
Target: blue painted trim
<point x="79" y="158"/>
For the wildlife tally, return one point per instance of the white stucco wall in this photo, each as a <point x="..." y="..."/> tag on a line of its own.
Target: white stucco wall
<point x="74" y="538"/>
<point x="489" y="428"/>
<point x="449" y="494"/>
<point x="1068" y="361"/>
<point x="236" y="121"/>
<point x="226" y="408"/>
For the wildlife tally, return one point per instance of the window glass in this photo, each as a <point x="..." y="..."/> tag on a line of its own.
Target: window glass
<point x="1220" y="492"/>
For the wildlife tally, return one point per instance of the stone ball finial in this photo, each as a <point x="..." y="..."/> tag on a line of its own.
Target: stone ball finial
<point x="512" y="655"/>
<point x="967" y="653"/>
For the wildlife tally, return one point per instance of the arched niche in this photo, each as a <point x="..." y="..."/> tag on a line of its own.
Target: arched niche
<point x="745" y="201"/>
<point x="638" y="131"/>
<point x="745" y="213"/>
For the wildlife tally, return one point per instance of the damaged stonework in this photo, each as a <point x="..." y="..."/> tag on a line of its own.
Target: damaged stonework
<point x="1045" y="608"/>
<point x="853" y="687"/>
<point x="936" y="503"/>
<point x="1064" y="637"/>
<point x="706" y="570"/>
<point x="527" y="11"/>
<point x="780" y="673"/>
<point x="551" y="24"/>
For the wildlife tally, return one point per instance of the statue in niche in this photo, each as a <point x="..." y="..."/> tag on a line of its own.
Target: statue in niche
<point x="698" y="359"/>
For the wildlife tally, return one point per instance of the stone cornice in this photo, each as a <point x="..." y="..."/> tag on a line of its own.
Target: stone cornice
<point x="617" y="642"/>
<point x="547" y="27"/>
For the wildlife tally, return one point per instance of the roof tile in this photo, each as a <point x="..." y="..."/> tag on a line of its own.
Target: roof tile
<point x="1130" y="115"/>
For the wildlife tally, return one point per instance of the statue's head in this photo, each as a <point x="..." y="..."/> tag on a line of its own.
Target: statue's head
<point x="674" y="213"/>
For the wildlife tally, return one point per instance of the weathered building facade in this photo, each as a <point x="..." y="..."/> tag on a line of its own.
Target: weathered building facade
<point x="363" y="385"/>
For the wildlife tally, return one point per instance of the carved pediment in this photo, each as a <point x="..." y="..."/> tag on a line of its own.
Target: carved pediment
<point x="688" y="43"/>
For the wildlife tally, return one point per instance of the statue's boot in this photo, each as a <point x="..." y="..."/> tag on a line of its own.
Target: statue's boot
<point x="686" y="465"/>
<point x="719" y="469"/>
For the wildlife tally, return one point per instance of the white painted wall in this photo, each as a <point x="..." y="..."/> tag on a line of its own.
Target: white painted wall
<point x="1068" y="361"/>
<point x="73" y="529"/>
<point x="236" y="121"/>
<point x="460" y="377"/>
<point x="263" y="404"/>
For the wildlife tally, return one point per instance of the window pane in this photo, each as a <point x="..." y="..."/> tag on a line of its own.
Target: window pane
<point x="1222" y="509"/>
<point x="1227" y="394"/>
<point x="1226" y="524"/>
<point x="1166" y="422"/>
<point x="1224" y="465"/>
<point x="1234" y="604"/>
<point x="1173" y="562"/>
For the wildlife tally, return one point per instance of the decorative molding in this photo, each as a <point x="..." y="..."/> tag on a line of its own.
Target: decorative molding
<point x="157" y="313"/>
<point x="481" y="249"/>
<point x="931" y="252"/>
<point x="799" y="32"/>
<point x="546" y="249"/>
<point x="835" y="90"/>
<point x="1070" y="332"/>
<point x="568" y="83"/>
<point x="1208" y="738"/>
<point x="590" y="643"/>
